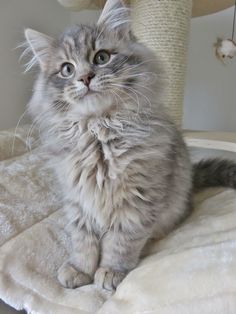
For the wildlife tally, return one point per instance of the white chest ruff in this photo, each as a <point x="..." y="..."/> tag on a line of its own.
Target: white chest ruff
<point x="93" y="176"/>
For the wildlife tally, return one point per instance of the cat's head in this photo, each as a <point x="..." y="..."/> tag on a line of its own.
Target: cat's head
<point x="90" y="69"/>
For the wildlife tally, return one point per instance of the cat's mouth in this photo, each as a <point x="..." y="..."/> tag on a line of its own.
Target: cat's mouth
<point x="85" y="92"/>
<point x="89" y="92"/>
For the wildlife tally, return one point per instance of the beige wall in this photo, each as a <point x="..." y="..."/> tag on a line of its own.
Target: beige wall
<point x="15" y="15"/>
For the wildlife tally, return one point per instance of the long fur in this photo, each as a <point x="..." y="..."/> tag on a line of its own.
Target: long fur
<point x="123" y="165"/>
<point x="214" y="173"/>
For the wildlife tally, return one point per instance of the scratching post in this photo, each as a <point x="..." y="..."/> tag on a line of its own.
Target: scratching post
<point x="163" y="25"/>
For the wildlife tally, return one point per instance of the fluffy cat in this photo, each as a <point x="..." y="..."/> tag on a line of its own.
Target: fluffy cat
<point x="123" y="165"/>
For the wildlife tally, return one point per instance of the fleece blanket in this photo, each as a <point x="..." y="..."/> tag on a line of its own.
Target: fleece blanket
<point x="191" y="271"/>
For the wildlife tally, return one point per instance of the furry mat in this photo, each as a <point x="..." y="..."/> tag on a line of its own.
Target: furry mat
<point x="192" y="271"/>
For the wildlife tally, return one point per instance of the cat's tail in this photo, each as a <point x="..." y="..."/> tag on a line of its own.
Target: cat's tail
<point x="214" y="173"/>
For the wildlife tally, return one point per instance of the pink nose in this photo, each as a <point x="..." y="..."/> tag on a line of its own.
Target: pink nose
<point x="86" y="79"/>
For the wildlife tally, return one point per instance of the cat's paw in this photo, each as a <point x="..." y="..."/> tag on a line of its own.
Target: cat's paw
<point x="107" y="278"/>
<point x="72" y="278"/>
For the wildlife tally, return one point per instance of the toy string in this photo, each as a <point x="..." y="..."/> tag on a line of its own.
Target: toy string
<point x="234" y="20"/>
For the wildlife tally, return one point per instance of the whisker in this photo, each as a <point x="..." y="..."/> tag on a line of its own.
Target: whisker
<point x="132" y="67"/>
<point x="122" y="62"/>
<point x="36" y="121"/>
<point x="135" y="100"/>
<point x="16" y="128"/>
<point x="134" y="92"/>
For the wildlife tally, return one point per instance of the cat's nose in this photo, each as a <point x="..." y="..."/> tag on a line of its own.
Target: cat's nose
<point x="86" y="78"/>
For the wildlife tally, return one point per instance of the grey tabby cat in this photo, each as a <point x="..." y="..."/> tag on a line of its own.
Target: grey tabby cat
<point x="122" y="163"/>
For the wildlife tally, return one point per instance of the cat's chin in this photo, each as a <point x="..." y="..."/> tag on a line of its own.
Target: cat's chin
<point x="92" y="103"/>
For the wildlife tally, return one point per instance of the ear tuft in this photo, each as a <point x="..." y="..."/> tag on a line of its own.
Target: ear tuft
<point x="116" y="17"/>
<point x="41" y="45"/>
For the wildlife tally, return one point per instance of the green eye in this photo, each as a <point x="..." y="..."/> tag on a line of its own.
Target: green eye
<point x="102" y="57"/>
<point x="67" y="69"/>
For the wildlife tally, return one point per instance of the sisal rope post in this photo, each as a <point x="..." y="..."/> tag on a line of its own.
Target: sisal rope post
<point x="163" y="25"/>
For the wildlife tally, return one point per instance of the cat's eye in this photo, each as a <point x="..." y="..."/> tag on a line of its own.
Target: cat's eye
<point x="102" y="57"/>
<point x="67" y="69"/>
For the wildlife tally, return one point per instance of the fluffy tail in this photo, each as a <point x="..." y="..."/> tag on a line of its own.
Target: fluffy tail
<point x="214" y="173"/>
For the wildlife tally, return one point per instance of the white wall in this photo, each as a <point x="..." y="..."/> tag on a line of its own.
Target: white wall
<point x="15" y="15"/>
<point x="86" y="16"/>
<point x="210" y="101"/>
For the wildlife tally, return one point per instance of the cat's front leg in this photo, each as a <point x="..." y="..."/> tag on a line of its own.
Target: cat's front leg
<point x="80" y="268"/>
<point x="120" y="254"/>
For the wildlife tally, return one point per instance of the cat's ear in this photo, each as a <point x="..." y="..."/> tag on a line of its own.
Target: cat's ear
<point x="115" y="17"/>
<point x="41" y="45"/>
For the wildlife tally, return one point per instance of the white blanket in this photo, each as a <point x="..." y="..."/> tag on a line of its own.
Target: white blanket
<point x="192" y="271"/>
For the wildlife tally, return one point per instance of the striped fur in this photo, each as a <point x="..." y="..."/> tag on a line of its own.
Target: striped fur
<point x="123" y="165"/>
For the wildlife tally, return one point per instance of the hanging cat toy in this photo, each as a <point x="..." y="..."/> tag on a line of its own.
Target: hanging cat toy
<point x="226" y="48"/>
